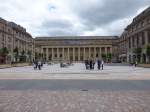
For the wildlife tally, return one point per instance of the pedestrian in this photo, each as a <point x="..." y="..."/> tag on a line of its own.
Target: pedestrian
<point x="34" y="65"/>
<point x="91" y="64"/>
<point x="86" y="64"/>
<point x="39" y="65"/>
<point x="136" y="63"/>
<point x="99" y="64"/>
<point x="102" y="64"/>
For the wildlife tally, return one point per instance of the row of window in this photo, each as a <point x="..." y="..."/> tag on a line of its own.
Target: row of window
<point x="139" y="40"/>
<point x="140" y="25"/>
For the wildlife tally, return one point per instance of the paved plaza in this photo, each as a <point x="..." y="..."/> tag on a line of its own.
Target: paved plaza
<point x="74" y="89"/>
<point x="74" y="101"/>
<point x="77" y="71"/>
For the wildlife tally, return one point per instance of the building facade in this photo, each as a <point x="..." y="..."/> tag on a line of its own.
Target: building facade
<point x="135" y="39"/>
<point x="18" y="42"/>
<point x="77" y="48"/>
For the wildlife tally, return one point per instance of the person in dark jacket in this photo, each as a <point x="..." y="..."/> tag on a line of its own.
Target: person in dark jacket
<point x="87" y="64"/>
<point x="99" y="64"/>
<point x="91" y="64"/>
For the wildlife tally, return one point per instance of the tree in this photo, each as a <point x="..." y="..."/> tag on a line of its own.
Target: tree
<point x="138" y="52"/>
<point x="4" y="51"/>
<point x="23" y="53"/>
<point x="16" y="53"/>
<point x="148" y="53"/>
<point x="29" y="53"/>
<point x="109" y="56"/>
<point x="104" y="57"/>
<point x="16" y="50"/>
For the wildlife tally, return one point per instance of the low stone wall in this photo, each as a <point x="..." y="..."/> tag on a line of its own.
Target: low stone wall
<point x="14" y="65"/>
<point x="144" y="65"/>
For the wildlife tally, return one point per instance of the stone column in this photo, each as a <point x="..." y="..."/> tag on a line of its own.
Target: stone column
<point x="58" y="53"/>
<point x="42" y="54"/>
<point x="52" y="54"/>
<point x="106" y="50"/>
<point x="89" y="52"/>
<point x="146" y="43"/>
<point x="42" y="50"/>
<point x="47" y="54"/>
<point x="131" y="49"/>
<point x="63" y="54"/>
<point x="68" y="54"/>
<point x="94" y="52"/>
<point x="73" y="54"/>
<point x="84" y="53"/>
<point x="146" y="37"/>
<point x="100" y="53"/>
<point x="79" y="54"/>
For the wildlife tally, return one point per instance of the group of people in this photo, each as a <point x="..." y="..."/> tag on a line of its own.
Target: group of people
<point x="90" y="64"/>
<point x="37" y="65"/>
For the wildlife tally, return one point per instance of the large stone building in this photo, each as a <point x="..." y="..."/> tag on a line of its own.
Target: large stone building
<point x="17" y="41"/>
<point x="76" y="48"/>
<point x="135" y="39"/>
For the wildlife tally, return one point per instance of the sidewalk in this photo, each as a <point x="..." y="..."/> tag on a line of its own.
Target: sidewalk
<point x="77" y="72"/>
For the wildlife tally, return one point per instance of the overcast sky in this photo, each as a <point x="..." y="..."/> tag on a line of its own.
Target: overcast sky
<point x="72" y="17"/>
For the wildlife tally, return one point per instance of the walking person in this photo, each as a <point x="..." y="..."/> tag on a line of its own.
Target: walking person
<point x="99" y="64"/>
<point x="34" y="65"/>
<point x="39" y="65"/>
<point x="91" y="63"/>
<point x="102" y="64"/>
<point x="136" y="63"/>
<point x="86" y="64"/>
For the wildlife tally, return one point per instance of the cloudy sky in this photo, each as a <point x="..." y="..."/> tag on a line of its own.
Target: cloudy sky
<point x="72" y="17"/>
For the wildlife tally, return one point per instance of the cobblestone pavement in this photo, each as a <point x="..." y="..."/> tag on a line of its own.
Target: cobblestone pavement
<point x="74" y="101"/>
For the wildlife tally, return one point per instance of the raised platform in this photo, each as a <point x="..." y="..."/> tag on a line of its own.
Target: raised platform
<point x="14" y="65"/>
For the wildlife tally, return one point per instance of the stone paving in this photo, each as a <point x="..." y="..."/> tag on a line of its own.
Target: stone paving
<point x="76" y="72"/>
<point x="74" y="101"/>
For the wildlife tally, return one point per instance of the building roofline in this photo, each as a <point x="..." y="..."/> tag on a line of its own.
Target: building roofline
<point x="76" y="37"/>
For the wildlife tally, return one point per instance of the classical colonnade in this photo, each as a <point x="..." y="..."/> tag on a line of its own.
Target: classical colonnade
<point x="75" y="53"/>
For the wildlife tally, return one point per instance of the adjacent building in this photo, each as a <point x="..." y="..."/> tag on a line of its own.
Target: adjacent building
<point x="76" y="48"/>
<point x="18" y="43"/>
<point x="135" y="39"/>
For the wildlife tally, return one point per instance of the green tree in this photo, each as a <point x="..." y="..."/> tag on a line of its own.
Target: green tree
<point x="109" y="57"/>
<point x="16" y="53"/>
<point x="148" y="53"/>
<point x="138" y="52"/>
<point x="23" y="53"/>
<point x="104" y="56"/>
<point x="4" y="51"/>
<point x="29" y="53"/>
